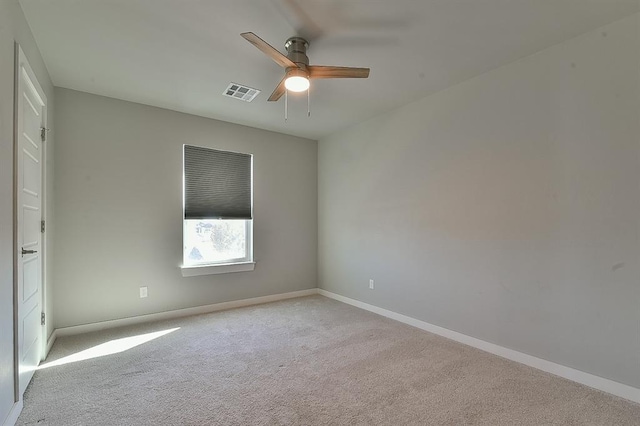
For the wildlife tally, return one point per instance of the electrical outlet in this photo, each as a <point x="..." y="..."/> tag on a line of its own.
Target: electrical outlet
<point x="143" y="292"/>
<point x="371" y="284"/>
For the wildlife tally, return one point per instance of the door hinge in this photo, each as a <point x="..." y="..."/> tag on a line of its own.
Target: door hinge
<point x="42" y="318"/>
<point x="43" y="133"/>
<point x="42" y="226"/>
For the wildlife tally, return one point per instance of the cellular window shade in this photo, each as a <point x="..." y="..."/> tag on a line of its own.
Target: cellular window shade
<point x="217" y="184"/>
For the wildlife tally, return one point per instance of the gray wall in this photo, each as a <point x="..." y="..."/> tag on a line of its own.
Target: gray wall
<point x="506" y="208"/>
<point x="119" y="210"/>
<point x="13" y="27"/>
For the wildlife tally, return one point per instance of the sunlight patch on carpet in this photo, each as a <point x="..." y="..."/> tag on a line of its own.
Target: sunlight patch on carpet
<point x="109" y="348"/>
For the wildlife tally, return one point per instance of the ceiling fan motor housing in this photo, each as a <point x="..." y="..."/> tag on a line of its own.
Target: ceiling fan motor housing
<point x="297" y="51"/>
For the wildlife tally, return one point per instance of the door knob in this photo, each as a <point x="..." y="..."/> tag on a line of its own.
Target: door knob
<point x="28" y="252"/>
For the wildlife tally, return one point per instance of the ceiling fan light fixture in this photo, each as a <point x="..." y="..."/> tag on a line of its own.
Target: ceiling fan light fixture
<point x="297" y="80"/>
<point x="297" y="83"/>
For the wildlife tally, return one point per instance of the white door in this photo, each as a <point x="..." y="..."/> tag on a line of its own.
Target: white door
<point x="31" y="119"/>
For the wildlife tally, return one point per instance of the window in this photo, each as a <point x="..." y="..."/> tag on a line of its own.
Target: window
<point x="217" y="205"/>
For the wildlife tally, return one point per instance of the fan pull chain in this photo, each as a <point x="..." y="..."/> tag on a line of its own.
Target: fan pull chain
<point x="308" y="102"/>
<point x="286" y="103"/>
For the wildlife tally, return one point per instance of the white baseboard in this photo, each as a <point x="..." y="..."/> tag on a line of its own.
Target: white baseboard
<point x="50" y="342"/>
<point x="103" y="325"/>
<point x="593" y="381"/>
<point x="587" y="379"/>
<point x="12" y="418"/>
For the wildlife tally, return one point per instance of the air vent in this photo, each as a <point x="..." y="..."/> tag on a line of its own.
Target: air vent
<point x="238" y="91"/>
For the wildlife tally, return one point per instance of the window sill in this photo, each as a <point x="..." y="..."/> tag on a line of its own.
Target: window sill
<point x="223" y="268"/>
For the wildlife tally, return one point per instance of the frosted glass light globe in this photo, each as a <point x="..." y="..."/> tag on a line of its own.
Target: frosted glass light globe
<point x="296" y="83"/>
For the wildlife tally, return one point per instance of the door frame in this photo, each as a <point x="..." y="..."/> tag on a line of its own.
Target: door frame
<point x="21" y="61"/>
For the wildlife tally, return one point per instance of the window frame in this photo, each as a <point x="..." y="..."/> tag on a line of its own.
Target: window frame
<point x="241" y="264"/>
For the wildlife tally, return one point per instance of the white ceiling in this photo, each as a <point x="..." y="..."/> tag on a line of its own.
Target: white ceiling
<point x="182" y="54"/>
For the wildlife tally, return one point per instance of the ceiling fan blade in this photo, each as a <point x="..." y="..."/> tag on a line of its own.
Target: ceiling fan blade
<point x="319" y="71"/>
<point x="269" y="50"/>
<point x="278" y="92"/>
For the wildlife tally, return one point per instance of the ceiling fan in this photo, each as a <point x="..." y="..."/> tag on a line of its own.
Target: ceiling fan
<point x="298" y="72"/>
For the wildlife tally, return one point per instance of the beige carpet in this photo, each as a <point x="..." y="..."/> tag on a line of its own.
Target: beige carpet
<point x="307" y="361"/>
